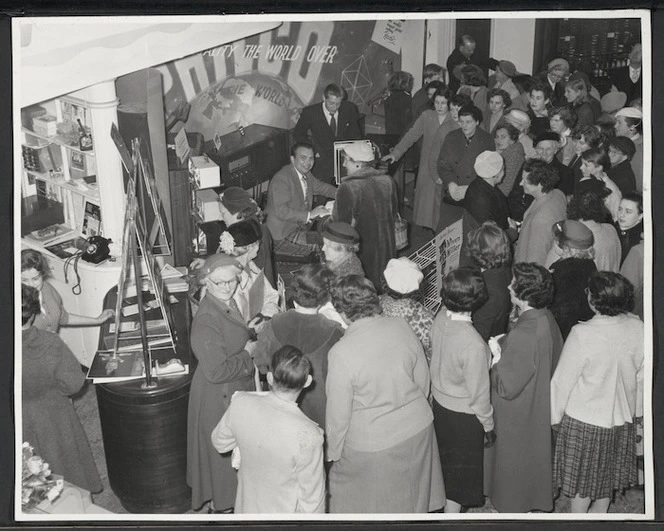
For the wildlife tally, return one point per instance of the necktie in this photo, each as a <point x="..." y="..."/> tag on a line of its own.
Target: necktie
<point x="333" y="125"/>
<point x="233" y="305"/>
<point x="305" y="188"/>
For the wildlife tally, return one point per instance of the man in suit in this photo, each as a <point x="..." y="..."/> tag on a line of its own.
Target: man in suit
<point x="628" y="78"/>
<point x="464" y="54"/>
<point x="323" y="124"/>
<point x="290" y="196"/>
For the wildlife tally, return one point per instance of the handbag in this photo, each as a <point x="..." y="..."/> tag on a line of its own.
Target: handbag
<point x="400" y="232"/>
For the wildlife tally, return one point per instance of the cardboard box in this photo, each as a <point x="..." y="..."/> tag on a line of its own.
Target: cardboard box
<point x="207" y="204"/>
<point x="204" y="171"/>
<point x="45" y="125"/>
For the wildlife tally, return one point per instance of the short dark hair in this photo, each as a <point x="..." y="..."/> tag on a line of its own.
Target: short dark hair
<point x="539" y="172"/>
<point x="634" y="197"/>
<point x="545" y="88"/>
<point x="533" y="284"/>
<point x="29" y="303"/>
<point x="310" y="286"/>
<point x="597" y="156"/>
<point x="436" y="85"/>
<point x="610" y="293"/>
<point x="460" y="100"/>
<point x="472" y="75"/>
<point x="290" y="368"/>
<point x="489" y="246"/>
<point x="465" y="39"/>
<point x="433" y="69"/>
<point x="445" y="93"/>
<point x="471" y="110"/>
<point x="590" y="134"/>
<point x="333" y="90"/>
<point x="567" y="115"/>
<point x="463" y="290"/>
<point x="507" y="101"/>
<point x="401" y="80"/>
<point x="31" y="259"/>
<point x="301" y="145"/>
<point x="356" y="297"/>
<point x="512" y="131"/>
<point x="586" y="206"/>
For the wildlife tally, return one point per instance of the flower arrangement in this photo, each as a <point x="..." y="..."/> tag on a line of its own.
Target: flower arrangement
<point x="226" y="243"/>
<point x="38" y="483"/>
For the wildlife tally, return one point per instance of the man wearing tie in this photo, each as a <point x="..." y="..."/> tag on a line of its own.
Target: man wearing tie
<point x="290" y="212"/>
<point x="324" y="123"/>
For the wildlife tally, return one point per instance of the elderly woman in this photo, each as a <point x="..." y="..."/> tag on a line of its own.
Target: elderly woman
<point x="577" y="98"/>
<point x="490" y="249"/>
<point x="306" y="329"/>
<point x="52" y="314"/>
<point x="281" y="450"/>
<point x="498" y="101"/>
<point x="366" y="200"/>
<point x="621" y="150"/>
<point x="379" y="423"/>
<point x="432" y="126"/>
<point x="519" y="471"/>
<point x="589" y="209"/>
<point x="596" y="396"/>
<point x="548" y="207"/>
<point x="521" y="121"/>
<point x="573" y="243"/>
<point x="629" y="223"/>
<point x="506" y="137"/>
<point x="341" y="242"/>
<point x="255" y="298"/>
<point x="539" y="103"/>
<point x="220" y="340"/>
<point x="562" y="120"/>
<point x="401" y="284"/>
<point x="50" y="374"/>
<point x="462" y="411"/>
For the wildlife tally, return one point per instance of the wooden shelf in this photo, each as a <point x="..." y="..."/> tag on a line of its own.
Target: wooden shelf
<point x="91" y="194"/>
<point x="59" y="140"/>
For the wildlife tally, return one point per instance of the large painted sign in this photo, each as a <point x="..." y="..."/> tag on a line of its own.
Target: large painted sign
<point x="268" y="78"/>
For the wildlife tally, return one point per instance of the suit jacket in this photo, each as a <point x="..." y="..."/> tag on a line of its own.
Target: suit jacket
<point x="287" y="208"/>
<point x="621" y="80"/>
<point x="281" y="451"/>
<point x="313" y="127"/>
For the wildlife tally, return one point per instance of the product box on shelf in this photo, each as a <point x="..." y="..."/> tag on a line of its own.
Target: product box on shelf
<point x="204" y="171"/>
<point x="207" y="204"/>
<point x="45" y="125"/>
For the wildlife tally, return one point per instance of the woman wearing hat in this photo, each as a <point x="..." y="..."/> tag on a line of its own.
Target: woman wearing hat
<point x="629" y="123"/>
<point x="432" y="127"/>
<point x="521" y="121"/>
<point x="306" y="329"/>
<point x="483" y="200"/>
<point x="573" y="243"/>
<point x="596" y="397"/>
<point x="504" y="73"/>
<point x="562" y="120"/>
<point x="366" y="199"/>
<point x="220" y="340"/>
<point x="341" y="242"/>
<point x="380" y="435"/>
<point x="621" y="150"/>
<point x="555" y="75"/>
<point x="519" y="464"/>
<point x="255" y="297"/>
<point x="401" y="283"/>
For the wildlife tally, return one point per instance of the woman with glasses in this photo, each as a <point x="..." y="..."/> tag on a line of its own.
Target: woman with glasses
<point x="221" y="342"/>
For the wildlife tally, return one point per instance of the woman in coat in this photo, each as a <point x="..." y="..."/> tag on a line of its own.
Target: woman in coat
<point x="596" y="397"/>
<point x="50" y="375"/>
<point x="519" y="469"/>
<point x="432" y="126"/>
<point x="220" y="340"/>
<point x="379" y="424"/>
<point x="366" y="200"/>
<point x="307" y="330"/>
<point x="506" y="137"/>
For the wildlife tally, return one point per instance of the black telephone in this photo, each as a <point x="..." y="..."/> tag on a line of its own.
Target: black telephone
<point x="96" y="249"/>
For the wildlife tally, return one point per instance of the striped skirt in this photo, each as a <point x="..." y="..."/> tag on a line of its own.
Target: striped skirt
<point x="592" y="461"/>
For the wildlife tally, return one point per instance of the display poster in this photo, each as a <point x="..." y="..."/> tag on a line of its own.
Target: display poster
<point x="448" y="250"/>
<point x="389" y="33"/>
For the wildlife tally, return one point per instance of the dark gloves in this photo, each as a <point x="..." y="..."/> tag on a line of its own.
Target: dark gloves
<point x="489" y="438"/>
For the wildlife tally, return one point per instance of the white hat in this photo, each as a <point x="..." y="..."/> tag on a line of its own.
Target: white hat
<point x="360" y="152"/>
<point x="630" y="112"/>
<point x="488" y="164"/>
<point x="403" y="275"/>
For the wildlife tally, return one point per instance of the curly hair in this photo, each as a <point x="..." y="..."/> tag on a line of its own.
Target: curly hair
<point x="473" y="76"/>
<point x="29" y="303"/>
<point x="488" y="246"/>
<point x="401" y="81"/>
<point x="610" y="293"/>
<point x="567" y="115"/>
<point x="507" y="101"/>
<point x="539" y="172"/>
<point x="586" y="206"/>
<point x="472" y="111"/>
<point x="310" y="287"/>
<point x="591" y="135"/>
<point x="290" y="368"/>
<point x="512" y="131"/>
<point x="444" y="92"/>
<point x="31" y="259"/>
<point x="463" y="290"/>
<point x="533" y="284"/>
<point x="356" y="297"/>
<point x="460" y="100"/>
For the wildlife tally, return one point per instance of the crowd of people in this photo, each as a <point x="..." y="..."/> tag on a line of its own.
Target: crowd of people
<point x="525" y="385"/>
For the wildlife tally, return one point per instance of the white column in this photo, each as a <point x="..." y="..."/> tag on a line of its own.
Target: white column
<point x="103" y="103"/>
<point x="441" y="40"/>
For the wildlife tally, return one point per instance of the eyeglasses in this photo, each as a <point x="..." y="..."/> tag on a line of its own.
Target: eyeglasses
<point x="224" y="283"/>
